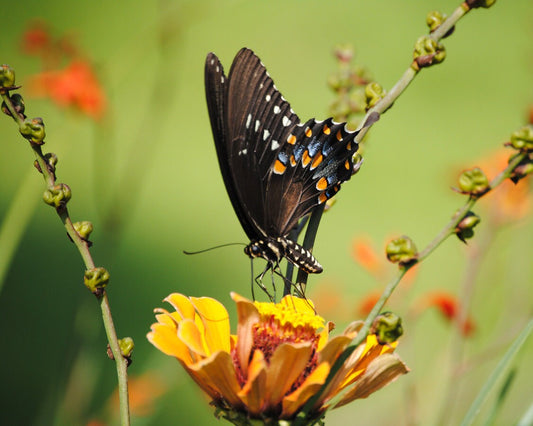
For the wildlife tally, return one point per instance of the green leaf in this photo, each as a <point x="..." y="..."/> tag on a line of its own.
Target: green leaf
<point x="496" y="374"/>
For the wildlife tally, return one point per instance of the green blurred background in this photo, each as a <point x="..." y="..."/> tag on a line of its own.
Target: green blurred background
<point x="148" y="178"/>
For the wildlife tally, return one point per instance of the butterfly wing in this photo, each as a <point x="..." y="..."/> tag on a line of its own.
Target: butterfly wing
<point x="275" y="168"/>
<point x="249" y="118"/>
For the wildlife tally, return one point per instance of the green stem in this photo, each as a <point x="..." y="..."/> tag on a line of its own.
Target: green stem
<point x="83" y="248"/>
<point x="382" y="106"/>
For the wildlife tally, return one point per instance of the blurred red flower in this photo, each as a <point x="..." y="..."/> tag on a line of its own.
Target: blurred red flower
<point x="74" y="86"/>
<point x="449" y="307"/>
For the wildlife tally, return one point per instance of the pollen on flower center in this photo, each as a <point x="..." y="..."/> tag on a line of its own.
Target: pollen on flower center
<point x="285" y="322"/>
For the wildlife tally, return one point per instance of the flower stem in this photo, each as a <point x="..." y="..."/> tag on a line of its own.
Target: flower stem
<point x="83" y="248"/>
<point x="382" y="106"/>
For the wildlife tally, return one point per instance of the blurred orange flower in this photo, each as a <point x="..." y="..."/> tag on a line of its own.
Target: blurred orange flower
<point x="143" y="391"/>
<point x="279" y="358"/>
<point x="508" y="202"/>
<point x="448" y="305"/>
<point x="36" y="39"/>
<point x="74" y="86"/>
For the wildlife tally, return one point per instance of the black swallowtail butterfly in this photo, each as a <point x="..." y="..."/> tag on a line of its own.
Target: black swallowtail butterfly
<point x="275" y="168"/>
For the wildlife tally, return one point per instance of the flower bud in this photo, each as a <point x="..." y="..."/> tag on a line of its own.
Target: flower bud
<point x="18" y="103"/>
<point x="343" y="52"/>
<point x="84" y="229"/>
<point x="465" y="228"/>
<point x="126" y="346"/>
<point x="401" y="250"/>
<point x="58" y="196"/>
<point x="435" y="19"/>
<point x="373" y="94"/>
<point x="33" y="130"/>
<point x="7" y="76"/>
<point x="524" y="168"/>
<point x="96" y="280"/>
<point x="357" y="163"/>
<point x="473" y="4"/>
<point x="473" y="182"/>
<point x="428" y="52"/>
<point x="522" y="139"/>
<point x="387" y="327"/>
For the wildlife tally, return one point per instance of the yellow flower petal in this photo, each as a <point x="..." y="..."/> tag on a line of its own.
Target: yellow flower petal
<point x="164" y="338"/>
<point x="286" y="365"/>
<point x="189" y="334"/>
<point x="311" y="385"/>
<point x="215" y="319"/>
<point x="253" y="392"/>
<point x="219" y="372"/>
<point x="182" y="305"/>
<point x="248" y="316"/>
<point x="380" y="372"/>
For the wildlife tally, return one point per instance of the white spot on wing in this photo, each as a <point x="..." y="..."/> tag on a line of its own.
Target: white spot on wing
<point x="277" y="109"/>
<point x="213" y="61"/>
<point x="261" y="86"/>
<point x="218" y="68"/>
<point x="267" y="98"/>
<point x="257" y="124"/>
<point x="266" y="134"/>
<point x="286" y="121"/>
<point x="222" y="79"/>
<point x="248" y="121"/>
<point x="243" y="151"/>
<point x="275" y="145"/>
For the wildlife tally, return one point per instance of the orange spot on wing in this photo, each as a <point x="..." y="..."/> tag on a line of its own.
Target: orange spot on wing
<point x="349" y="146"/>
<point x="322" y="198"/>
<point x="293" y="161"/>
<point x="322" y="184"/>
<point x="317" y="160"/>
<point x="339" y="135"/>
<point x="279" y="167"/>
<point x="291" y="139"/>
<point x="306" y="159"/>
<point x="347" y="165"/>
<point x="308" y="132"/>
<point x="326" y="130"/>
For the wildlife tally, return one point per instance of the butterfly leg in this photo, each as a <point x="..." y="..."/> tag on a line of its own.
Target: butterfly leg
<point x="259" y="281"/>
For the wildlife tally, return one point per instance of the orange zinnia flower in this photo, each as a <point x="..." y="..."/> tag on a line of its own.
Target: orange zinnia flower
<point x="279" y="358"/>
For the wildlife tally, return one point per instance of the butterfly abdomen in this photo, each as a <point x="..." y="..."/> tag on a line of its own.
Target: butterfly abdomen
<point x="273" y="250"/>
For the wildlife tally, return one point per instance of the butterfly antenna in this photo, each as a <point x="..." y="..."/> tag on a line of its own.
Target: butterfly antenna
<point x="212" y="248"/>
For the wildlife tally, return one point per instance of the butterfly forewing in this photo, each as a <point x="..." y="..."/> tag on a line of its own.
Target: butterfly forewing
<point x="276" y="169"/>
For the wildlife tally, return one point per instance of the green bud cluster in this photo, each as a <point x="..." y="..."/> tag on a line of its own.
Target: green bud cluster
<point x="96" y="280"/>
<point x="18" y="104"/>
<point x="473" y="182"/>
<point x="473" y="4"/>
<point x="7" y="76"/>
<point x="374" y="92"/>
<point x="522" y="139"/>
<point x="126" y="346"/>
<point x="428" y="52"/>
<point x="524" y="168"/>
<point x="465" y="228"/>
<point x="33" y="130"/>
<point x="434" y="20"/>
<point x="84" y="229"/>
<point x="401" y="250"/>
<point x="58" y="195"/>
<point x="387" y="327"/>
